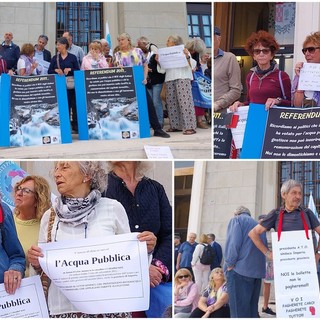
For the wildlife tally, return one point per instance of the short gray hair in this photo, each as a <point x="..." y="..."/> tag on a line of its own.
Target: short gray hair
<point x="241" y="210"/>
<point x="289" y="184"/>
<point x="177" y="40"/>
<point x="143" y="39"/>
<point x="142" y="167"/>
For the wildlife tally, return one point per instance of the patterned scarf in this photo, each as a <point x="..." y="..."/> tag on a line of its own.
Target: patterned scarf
<point x="75" y="211"/>
<point x="28" y="62"/>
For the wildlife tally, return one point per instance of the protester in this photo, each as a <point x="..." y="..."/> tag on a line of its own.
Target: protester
<point x="72" y="48"/>
<point x="178" y="92"/>
<point x="185" y="253"/>
<point x="27" y="65"/>
<point x="65" y="63"/>
<point x="80" y="212"/>
<point x="128" y="56"/>
<point x="292" y="214"/>
<point x="244" y="266"/>
<point x="10" y="52"/>
<point x="201" y="271"/>
<point x="266" y="84"/>
<point x="186" y="295"/>
<point x="12" y="258"/>
<point x="227" y="76"/>
<point x="32" y="198"/>
<point x="214" y="301"/>
<point x="94" y="59"/>
<point x="311" y="51"/>
<point x="40" y="52"/>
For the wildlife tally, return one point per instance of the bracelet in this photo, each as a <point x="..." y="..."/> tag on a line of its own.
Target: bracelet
<point x="188" y="58"/>
<point x="266" y="254"/>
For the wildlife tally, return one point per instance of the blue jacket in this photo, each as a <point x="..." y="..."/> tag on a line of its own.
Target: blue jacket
<point x="241" y="252"/>
<point x="10" y="53"/>
<point x="217" y="255"/>
<point x="11" y="253"/>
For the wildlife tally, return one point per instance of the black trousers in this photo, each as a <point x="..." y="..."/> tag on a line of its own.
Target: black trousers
<point x="223" y="312"/>
<point x="153" y="118"/>
<point x="72" y="108"/>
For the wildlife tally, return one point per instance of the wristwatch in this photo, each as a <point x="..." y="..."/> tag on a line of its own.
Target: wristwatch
<point x="279" y="99"/>
<point x="318" y="251"/>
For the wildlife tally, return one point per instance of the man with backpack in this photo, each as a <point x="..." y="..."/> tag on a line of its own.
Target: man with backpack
<point x="12" y="258"/>
<point x="217" y="258"/>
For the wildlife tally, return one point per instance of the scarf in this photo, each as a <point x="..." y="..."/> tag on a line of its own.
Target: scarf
<point x="263" y="72"/>
<point x="75" y="211"/>
<point x="28" y="62"/>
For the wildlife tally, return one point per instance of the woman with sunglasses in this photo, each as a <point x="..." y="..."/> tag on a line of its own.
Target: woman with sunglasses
<point x="266" y="84"/>
<point x="32" y="198"/>
<point x="311" y="51"/>
<point x="185" y="294"/>
<point x="214" y="301"/>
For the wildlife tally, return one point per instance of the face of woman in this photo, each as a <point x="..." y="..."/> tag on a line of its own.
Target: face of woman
<point x="217" y="275"/>
<point x="183" y="278"/>
<point x="312" y="52"/>
<point x="70" y="180"/>
<point x="262" y="55"/>
<point x="123" y="43"/>
<point x="24" y="197"/>
<point x="61" y="47"/>
<point x="170" y="43"/>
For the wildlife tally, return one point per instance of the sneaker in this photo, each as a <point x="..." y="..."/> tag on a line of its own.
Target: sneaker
<point x="161" y="133"/>
<point x="268" y="311"/>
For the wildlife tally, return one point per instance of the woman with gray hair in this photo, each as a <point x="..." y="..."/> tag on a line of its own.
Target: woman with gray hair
<point x="178" y="92"/>
<point x="80" y="212"/>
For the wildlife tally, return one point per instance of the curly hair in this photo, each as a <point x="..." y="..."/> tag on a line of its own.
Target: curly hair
<point x="313" y="37"/>
<point x="27" y="49"/>
<point x="42" y="194"/>
<point x="142" y="167"/>
<point x="95" y="170"/>
<point x="263" y="37"/>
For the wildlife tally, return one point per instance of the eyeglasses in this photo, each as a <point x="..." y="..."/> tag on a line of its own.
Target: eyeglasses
<point x="258" y="51"/>
<point x="310" y="50"/>
<point x="24" y="190"/>
<point x="184" y="276"/>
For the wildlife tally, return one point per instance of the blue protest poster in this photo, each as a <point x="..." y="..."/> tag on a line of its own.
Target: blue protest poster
<point x="34" y="111"/>
<point x="201" y="91"/>
<point x="111" y="104"/>
<point x="255" y="130"/>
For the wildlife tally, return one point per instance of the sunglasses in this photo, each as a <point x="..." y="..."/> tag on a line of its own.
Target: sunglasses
<point x="184" y="276"/>
<point x="24" y="190"/>
<point x="310" y="50"/>
<point x="258" y="51"/>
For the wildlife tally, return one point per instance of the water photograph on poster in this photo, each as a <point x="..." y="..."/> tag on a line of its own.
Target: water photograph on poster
<point x="112" y="107"/>
<point x="34" y="115"/>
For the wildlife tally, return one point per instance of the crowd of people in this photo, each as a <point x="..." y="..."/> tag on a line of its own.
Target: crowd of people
<point x="233" y="291"/>
<point x="173" y="84"/>
<point x="95" y="200"/>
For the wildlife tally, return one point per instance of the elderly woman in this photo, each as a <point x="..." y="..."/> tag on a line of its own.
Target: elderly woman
<point x="27" y="66"/>
<point x="31" y="198"/>
<point x="186" y="295"/>
<point x="94" y="59"/>
<point x="80" y="212"/>
<point x="214" y="301"/>
<point x="12" y="258"/>
<point x="65" y="63"/>
<point x="179" y="95"/>
<point x="148" y="209"/>
<point x="311" y="51"/>
<point x="266" y="84"/>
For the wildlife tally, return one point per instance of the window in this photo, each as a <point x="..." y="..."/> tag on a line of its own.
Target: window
<point x="200" y="21"/>
<point x="306" y="172"/>
<point x="82" y="19"/>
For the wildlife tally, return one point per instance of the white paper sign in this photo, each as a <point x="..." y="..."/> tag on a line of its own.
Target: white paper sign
<point x="172" y="57"/>
<point x="27" y="302"/>
<point x="295" y="275"/>
<point x="158" y="152"/>
<point x="238" y="132"/>
<point x="309" y="79"/>
<point x="100" y="275"/>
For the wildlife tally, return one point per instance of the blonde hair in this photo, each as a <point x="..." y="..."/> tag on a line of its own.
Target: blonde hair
<point x="203" y="238"/>
<point x="95" y="45"/>
<point x="41" y="192"/>
<point x="179" y="272"/>
<point x="127" y="36"/>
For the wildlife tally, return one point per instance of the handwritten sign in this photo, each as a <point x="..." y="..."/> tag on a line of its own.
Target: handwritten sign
<point x="295" y="276"/>
<point x="309" y="78"/>
<point x="238" y="132"/>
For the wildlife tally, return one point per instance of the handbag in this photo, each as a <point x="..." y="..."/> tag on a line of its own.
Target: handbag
<point x="69" y="80"/>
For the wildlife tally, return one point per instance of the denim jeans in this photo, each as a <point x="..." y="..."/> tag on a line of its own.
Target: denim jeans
<point x="155" y="95"/>
<point x="243" y="295"/>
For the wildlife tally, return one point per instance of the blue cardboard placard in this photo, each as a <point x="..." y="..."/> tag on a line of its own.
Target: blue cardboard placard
<point x="255" y="130"/>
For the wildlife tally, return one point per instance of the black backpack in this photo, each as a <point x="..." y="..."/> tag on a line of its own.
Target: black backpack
<point x="207" y="255"/>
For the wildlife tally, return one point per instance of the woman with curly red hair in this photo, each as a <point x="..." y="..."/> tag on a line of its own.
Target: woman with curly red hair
<point x="266" y="84"/>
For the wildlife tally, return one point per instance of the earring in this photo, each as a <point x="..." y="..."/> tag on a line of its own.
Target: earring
<point x="84" y="181"/>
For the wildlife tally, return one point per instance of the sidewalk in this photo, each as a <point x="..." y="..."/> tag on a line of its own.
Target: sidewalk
<point x="196" y="146"/>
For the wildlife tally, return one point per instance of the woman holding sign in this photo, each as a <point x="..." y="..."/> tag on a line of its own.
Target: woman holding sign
<point x="266" y="84"/>
<point x="311" y="51"/>
<point x="80" y="212"/>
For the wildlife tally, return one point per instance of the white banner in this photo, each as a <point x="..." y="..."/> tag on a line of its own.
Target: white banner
<point x="238" y="132"/>
<point x="309" y="79"/>
<point x="172" y="57"/>
<point x="100" y="275"/>
<point x="295" y="275"/>
<point x="27" y="302"/>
